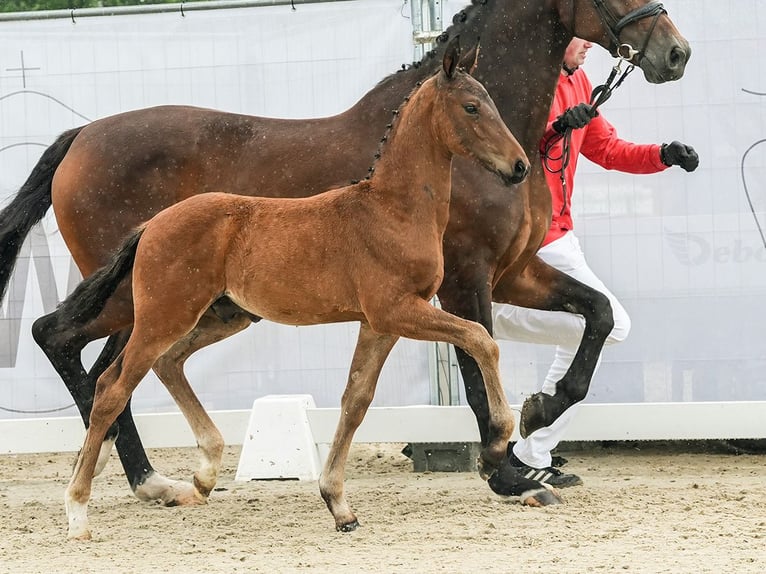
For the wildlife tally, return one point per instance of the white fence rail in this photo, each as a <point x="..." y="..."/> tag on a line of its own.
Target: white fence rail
<point x="424" y="424"/>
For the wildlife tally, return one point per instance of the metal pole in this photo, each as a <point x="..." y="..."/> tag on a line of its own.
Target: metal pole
<point x="427" y="18"/>
<point x="444" y="373"/>
<point x="181" y="8"/>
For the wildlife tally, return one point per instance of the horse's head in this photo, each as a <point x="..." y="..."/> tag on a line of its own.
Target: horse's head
<point x="468" y="121"/>
<point x="639" y="31"/>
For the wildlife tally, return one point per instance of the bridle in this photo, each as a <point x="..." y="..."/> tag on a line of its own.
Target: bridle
<point x="613" y="25"/>
<point x="625" y="52"/>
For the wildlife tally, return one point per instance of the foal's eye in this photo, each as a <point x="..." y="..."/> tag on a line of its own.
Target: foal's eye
<point x="471" y="109"/>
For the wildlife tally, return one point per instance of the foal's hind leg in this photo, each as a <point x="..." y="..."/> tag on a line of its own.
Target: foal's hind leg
<point x="371" y="352"/>
<point x="62" y="341"/>
<point x="113" y="390"/>
<point x="169" y="368"/>
<point x="149" y="340"/>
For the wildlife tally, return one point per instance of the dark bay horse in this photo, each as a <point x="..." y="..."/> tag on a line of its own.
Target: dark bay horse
<point x="109" y="176"/>
<point x="369" y="252"/>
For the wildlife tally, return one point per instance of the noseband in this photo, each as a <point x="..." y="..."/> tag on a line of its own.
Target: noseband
<point x="614" y="25"/>
<point x="625" y="52"/>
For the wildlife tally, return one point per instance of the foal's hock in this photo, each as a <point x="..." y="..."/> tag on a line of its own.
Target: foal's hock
<point x="369" y="252"/>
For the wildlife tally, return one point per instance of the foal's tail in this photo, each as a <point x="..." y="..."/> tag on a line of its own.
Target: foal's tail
<point x="29" y="205"/>
<point x="90" y="296"/>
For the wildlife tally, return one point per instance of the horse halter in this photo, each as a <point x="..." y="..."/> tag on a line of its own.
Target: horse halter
<point x="625" y="52"/>
<point x="614" y="25"/>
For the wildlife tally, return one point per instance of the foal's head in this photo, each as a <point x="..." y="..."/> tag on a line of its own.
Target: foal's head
<point x="467" y="121"/>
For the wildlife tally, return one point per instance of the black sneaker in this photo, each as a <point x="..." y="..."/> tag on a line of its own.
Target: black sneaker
<point x="550" y="475"/>
<point x="558" y="461"/>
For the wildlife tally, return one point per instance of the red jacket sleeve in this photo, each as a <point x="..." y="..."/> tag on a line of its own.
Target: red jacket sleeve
<point x="601" y="145"/>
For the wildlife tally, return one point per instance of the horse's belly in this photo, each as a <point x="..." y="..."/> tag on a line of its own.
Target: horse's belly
<point x="296" y="306"/>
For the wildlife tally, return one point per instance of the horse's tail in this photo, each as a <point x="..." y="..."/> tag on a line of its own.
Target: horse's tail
<point x="29" y="205"/>
<point x="90" y="296"/>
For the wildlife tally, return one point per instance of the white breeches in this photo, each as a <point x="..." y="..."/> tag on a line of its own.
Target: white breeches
<point x="555" y="328"/>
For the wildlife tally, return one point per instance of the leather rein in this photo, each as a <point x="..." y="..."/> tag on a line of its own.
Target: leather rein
<point x="601" y="93"/>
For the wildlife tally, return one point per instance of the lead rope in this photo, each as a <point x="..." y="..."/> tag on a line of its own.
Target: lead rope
<point x="599" y="96"/>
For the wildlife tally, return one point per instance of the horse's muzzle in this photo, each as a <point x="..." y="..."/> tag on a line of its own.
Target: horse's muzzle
<point x="519" y="173"/>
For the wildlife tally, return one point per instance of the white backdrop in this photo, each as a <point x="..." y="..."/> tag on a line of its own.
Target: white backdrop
<point x="314" y="61"/>
<point x="681" y="250"/>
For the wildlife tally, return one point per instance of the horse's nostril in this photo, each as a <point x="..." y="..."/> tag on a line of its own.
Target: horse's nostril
<point x="677" y="58"/>
<point x="520" y="170"/>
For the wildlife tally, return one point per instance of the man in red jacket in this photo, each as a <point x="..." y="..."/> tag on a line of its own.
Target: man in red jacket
<point x="596" y="139"/>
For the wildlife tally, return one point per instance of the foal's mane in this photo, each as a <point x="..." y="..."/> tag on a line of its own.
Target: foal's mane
<point x="389" y="128"/>
<point x="460" y="22"/>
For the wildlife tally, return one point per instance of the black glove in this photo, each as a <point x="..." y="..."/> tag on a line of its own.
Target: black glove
<point x="676" y="153"/>
<point x="575" y="118"/>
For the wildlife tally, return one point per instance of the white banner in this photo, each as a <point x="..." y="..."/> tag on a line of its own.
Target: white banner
<point x="314" y="61"/>
<point x="682" y="251"/>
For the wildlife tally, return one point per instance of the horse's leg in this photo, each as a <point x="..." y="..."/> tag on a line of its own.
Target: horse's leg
<point x="371" y="352"/>
<point x="62" y="341"/>
<point x="476" y="306"/>
<point x="169" y="368"/>
<point x="113" y="390"/>
<point x="541" y="286"/>
<point x="417" y="319"/>
<point x="63" y="345"/>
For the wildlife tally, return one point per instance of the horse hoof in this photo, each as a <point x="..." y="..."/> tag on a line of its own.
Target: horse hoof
<point x="193" y="498"/>
<point x="534" y="414"/>
<point x="541" y="497"/>
<point x="348" y="526"/>
<point x="82" y="536"/>
<point x="157" y="488"/>
<point x="486" y="469"/>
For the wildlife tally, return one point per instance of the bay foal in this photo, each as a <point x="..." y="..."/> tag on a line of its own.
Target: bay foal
<point x="369" y="252"/>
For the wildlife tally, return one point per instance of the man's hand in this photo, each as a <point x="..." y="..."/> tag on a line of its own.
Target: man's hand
<point x="575" y="118"/>
<point x="676" y="153"/>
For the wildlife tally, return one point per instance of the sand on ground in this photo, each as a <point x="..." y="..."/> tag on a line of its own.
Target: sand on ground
<point x="642" y="509"/>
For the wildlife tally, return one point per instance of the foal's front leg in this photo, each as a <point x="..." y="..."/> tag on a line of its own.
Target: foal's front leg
<point x="417" y="319"/>
<point x="371" y="352"/>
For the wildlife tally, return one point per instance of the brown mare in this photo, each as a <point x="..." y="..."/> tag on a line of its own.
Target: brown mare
<point x="107" y="177"/>
<point x="369" y="252"/>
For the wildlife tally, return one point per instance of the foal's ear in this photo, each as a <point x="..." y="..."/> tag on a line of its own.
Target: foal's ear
<point x="451" y="56"/>
<point x="470" y="60"/>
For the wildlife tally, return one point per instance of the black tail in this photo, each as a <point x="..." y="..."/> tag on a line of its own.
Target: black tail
<point x="29" y="205"/>
<point x="90" y="296"/>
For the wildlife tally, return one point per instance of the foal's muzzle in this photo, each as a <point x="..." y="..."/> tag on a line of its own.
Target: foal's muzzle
<point x="517" y="175"/>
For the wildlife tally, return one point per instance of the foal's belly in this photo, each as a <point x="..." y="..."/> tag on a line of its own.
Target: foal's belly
<point x="296" y="313"/>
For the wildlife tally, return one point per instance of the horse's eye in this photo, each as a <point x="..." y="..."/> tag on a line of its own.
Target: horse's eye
<point x="471" y="109"/>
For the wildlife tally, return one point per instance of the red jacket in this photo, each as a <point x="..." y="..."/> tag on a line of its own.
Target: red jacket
<point x="597" y="141"/>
